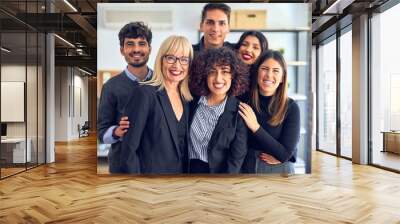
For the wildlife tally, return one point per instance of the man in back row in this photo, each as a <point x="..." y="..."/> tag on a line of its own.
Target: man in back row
<point x="215" y="26"/>
<point x="135" y="46"/>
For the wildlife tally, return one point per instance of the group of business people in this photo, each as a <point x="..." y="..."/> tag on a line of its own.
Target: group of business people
<point x="213" y="107"/>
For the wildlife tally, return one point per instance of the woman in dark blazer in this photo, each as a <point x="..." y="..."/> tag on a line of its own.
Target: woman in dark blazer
<point x="217" y="135"/>
<point x="156" y="142"/>
<point x="272" y="117"/>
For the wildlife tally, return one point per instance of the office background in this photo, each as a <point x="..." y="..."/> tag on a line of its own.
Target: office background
<point x="43" y="98"/>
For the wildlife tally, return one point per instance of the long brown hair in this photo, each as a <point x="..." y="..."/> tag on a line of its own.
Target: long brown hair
<point x="279" y="101"/>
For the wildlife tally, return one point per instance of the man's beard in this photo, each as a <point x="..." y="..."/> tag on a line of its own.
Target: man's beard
<point x="139" y="64"/>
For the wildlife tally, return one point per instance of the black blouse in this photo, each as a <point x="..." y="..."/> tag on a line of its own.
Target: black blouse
<point x="182" y="132"/>
<point x="279" y="141"/>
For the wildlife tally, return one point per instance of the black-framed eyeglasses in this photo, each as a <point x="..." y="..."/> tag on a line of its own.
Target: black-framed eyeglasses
<point x="171" y="59"/>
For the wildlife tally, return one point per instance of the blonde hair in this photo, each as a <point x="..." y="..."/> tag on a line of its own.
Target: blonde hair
<point x="170" y="46"/>
<point x="279" y="101"/>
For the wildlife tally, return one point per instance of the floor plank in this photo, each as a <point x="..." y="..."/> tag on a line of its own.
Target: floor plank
<point x="70" y="191"/>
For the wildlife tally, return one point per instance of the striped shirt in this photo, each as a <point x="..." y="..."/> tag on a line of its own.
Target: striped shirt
<point x="204" y="121"/>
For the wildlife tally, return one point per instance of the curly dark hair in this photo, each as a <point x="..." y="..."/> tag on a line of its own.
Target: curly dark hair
<point x="134" y="30"/>
<point x="204" y="63"/>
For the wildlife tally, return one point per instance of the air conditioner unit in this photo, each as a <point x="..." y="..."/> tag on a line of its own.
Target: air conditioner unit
<point x="156" y="19"/>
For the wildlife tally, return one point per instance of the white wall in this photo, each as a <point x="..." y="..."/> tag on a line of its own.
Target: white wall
<point x="33" y="126"/>
<point x="186" y="20"/>
<point x="70" y="83"/>
<point x="61" y="103"/>
<point x="12" y="73"/>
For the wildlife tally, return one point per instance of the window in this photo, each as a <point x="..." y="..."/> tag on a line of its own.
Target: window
<point x="346" y="93"/>
<point x="326" y="104"/>
<point x="385" y="89"/>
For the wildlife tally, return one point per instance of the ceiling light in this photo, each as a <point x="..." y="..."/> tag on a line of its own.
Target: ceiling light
<point x="65" y="41"/>
<point x="84" y="71"/>
<point x="5" y="50"/>
<point x="337" y="7"/>
<point x="70" y="5"/>
<point x="79" y="51"/>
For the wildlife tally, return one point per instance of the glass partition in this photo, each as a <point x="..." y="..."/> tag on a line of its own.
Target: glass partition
<point x="22" y="64"/>
<point x="346" y="93"/>
<point x="13" y="103"/>
<point x="31" y="97"/>
<point x="41" y="96"/>
<point x="326" y="104"/>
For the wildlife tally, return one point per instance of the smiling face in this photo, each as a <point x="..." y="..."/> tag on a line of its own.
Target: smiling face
<point x="215" y="27"/>
<point x="175" y="66"/>
<point x="136" y="51"/>
<point x="219" y="80"/>
<point x="250" y="49"/>
<point x="270" y="75"/>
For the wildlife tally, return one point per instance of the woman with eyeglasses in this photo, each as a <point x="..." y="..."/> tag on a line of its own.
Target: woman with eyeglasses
<point x="217" y="134"/>
<point x="156" y="142"/>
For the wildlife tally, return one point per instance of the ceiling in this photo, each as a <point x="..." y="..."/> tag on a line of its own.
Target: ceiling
<point x="76" y="21"/>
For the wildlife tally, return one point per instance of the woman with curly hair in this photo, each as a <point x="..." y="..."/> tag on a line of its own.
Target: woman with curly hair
<point x="217" y="134"/>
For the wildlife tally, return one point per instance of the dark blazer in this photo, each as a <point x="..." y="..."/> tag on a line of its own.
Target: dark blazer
<point x="114" y="95"/>
<point x="152" y="139"/>
<point x="228" y="144"/>
<point x="200" y="46"/>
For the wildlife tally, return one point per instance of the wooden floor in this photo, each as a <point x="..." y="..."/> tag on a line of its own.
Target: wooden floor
<point x="70" y="191"/>
<point x="387" y="159"/>
<point x="10" y="171"/>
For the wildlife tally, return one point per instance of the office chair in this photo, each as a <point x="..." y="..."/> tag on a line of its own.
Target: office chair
<point x="84" y="130"/>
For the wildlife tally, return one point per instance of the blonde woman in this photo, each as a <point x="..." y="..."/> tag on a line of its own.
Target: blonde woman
<point x="272" y="117"/>
<point x="156" y="142"/>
